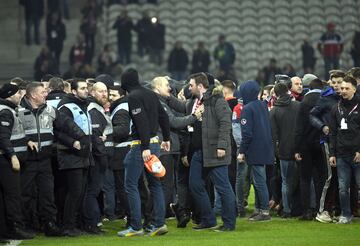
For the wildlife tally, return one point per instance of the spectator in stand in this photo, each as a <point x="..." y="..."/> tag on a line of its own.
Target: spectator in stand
<point x="156" y="41"/>
<point x="355" y="49"/>
<point x="78" y="52"/>
<point x="178" y="62"/>
<point x="107" y="59"/>
<point x="34" y="11"/>
<point x="142" y="28"/>
<point x="308" y="151"/>
<point x="270" y="71"/>
<point x="308" y="56"/>
<point x="289" y="70"/>
<point x="55" y="35"/>
<point x="320" y="118"/>
<point x="200" y="59"/>
<point x="345" y="143"/>
<point x="330" y="47"/>
<point x="123" y="26"/>
<point x="88" y="29"/>
<point x="282" y="117"/>
<point x="44" y="64"/>
<point x="296" y="89"/>
<point x="224" y="54"/>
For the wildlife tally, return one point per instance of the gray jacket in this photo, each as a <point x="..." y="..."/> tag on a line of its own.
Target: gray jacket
<point x="216" y="126"/>
<point x="176" y="123"/>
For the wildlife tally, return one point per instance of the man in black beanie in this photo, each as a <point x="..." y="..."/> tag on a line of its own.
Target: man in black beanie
<point x="147" y="114"/>
<point x="12" y="150"/>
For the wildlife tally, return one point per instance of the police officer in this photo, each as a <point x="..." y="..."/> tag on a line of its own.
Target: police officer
<point x="102" y="150"/>
<point x="74" y="162"/>
<point x="12" y="151"/>
<point x="41" y="122"/>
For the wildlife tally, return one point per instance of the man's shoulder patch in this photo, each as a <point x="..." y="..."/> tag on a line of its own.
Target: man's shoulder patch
<point x="243" y="121"/>
<point x="136" y="111"/>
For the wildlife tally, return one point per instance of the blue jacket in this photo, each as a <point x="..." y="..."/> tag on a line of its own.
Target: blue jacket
<point x="256" y="141"/>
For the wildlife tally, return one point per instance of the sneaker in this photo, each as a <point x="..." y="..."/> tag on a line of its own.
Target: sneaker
<point x="95" y="230"/>
<point x="19" y="233"/>
<point x="223" y="228"/>
<point x="324" y="217"/>
<point x="242" y="214"/>
<point x="74" y="232"/>
<point x="51" y="230"/>
<point x="344" y="220"/>
<point x="201" y="227"/>
<point x="255" y="213"/>
<point x="156" y="231"/>
<point x="130" y="232"/>
<point x="260" y="217"/>
<point x="285" y="215"/>
<point x="100" y="224"/>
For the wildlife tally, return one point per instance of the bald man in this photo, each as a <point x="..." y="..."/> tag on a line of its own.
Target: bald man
<point x="296" y="88"/>
<point x="102" y="150"/>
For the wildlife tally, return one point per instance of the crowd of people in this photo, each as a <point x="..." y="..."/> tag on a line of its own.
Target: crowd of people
<point x="78" y="152"/>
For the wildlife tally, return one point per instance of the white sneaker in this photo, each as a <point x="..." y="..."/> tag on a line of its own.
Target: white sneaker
<point x="344" y="220"/>
<point x="324" y="217"/>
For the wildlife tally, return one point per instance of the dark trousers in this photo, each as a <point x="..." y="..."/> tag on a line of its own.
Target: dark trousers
<point x="183" y="191"/>
<point x="3" y="228"/>
<point x="167" y="181"/>
<point x="75" y="181"/>
<point x="10" y="192"/>
<point x="29" y="22"/>
<point x="312" y="167"/>
<point x="36" y="176"/>
<point x="91" y="209"/>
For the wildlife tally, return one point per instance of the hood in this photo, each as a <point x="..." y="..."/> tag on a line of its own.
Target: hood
<point x="130" y="80"/>
<point x="249" y="91"/>
<point x="328" y="91"/>
<point x="70" y="98"/>
<point x="117" y="102"/>
<point x="283" y="101"/>
<point x="213" y="91"/>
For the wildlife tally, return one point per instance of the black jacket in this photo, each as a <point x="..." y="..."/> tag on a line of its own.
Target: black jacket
<point x="200" y="61"/>
<point x="345" y="142"/>
<point x="121" y="127"/>
<point x="71" y="157"/>
<point x="306" y="135"/>
<point x="283" y="119"/>
<point x="55" y="35"/>
<point x="320" y="115"/>
<point x="146" y="113"/>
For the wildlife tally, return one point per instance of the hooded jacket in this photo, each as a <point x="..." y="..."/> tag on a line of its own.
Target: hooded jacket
<point x="256" y="141"/>
<point x="215" y="126"/>
<point x="145" y="110"/>
<point x="283" y="119"/>
<point x="69" y="158"/>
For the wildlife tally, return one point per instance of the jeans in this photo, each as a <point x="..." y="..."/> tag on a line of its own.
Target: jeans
<point x="241" y="171"/>
<point x="261" y="189"/>
<point x="288" y="169"/>
<point x="134" y="168"/>
<point x="345" y="168"/>
<point x="220" y="178"/>
<point x="109" y="194"/>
